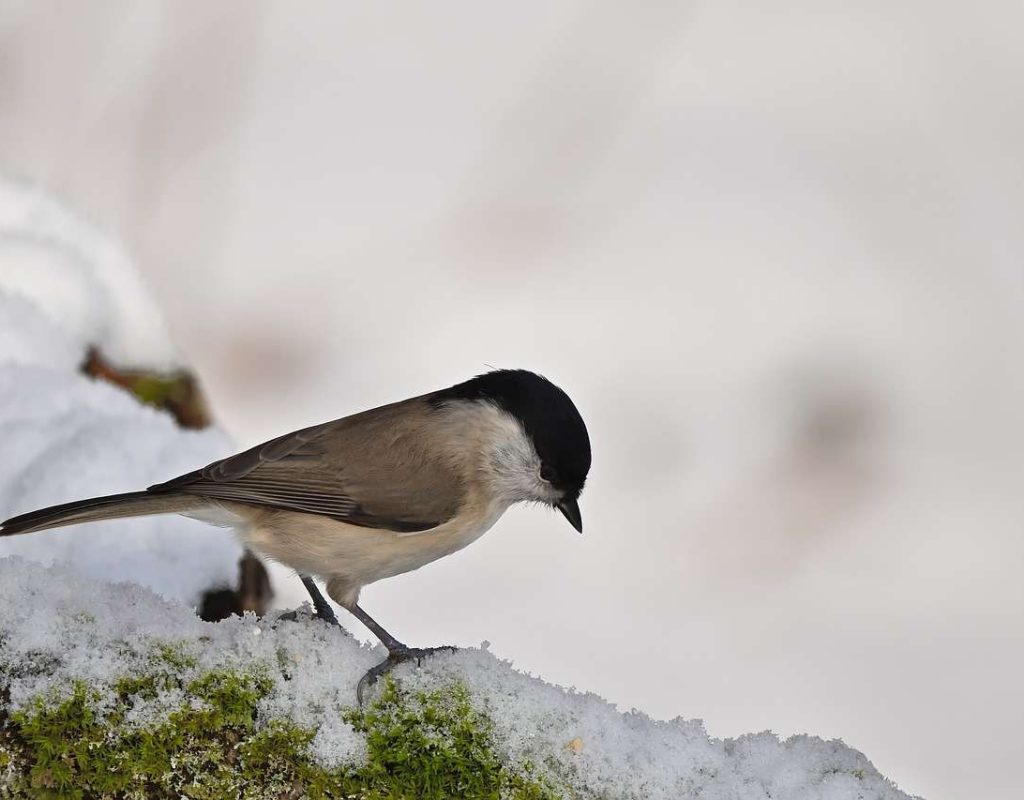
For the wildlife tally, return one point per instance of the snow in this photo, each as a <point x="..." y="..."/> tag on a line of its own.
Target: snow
<point x="63" y="287"/>
<point x="79" y="628"/>
<point x="80" y="278"/>
<point x="84" y="629"/>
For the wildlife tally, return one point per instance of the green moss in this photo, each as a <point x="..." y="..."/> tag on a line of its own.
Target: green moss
<point x="430" y="745"/>
<point x="164" y="672"/>
<point x="435" y="745"/>
<point x="58" y="742"/>
<point x="71" y="750"/>
<point x="174" y="656"/>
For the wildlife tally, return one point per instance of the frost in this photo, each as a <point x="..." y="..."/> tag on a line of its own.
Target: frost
<point x="58" y="626"/>
<point x="609" y="753"/>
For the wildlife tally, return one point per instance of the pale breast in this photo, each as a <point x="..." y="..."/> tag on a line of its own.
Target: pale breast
<point x="351" y="556"/>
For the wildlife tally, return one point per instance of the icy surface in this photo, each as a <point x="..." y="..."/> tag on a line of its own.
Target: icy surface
<point x="64" y="287"/>
<point x="58" y="626"/>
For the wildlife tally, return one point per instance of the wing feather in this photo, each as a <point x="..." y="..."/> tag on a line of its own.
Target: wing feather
<point x="375" y="469"/>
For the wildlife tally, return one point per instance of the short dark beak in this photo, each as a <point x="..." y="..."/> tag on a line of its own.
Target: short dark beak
<point x="571" y="511"/>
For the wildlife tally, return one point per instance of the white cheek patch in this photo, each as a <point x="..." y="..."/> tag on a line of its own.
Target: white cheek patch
<point x="515" y="465"/>
<point x="510" y="465"/>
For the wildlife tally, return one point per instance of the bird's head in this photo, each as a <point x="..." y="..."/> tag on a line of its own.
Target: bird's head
<point x="539" y="450"/>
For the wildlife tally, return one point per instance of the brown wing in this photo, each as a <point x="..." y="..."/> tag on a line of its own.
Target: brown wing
<point x="379" y="468"/>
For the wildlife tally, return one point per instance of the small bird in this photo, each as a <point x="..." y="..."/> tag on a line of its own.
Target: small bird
<point x="378" y="493"/>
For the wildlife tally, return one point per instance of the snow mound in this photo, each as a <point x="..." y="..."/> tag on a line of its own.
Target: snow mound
<point x="83" y="629"/>
<point x="63" y="288"/>
<point x="79" y="278"/>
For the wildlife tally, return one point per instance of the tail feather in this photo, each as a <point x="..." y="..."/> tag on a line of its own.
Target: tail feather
<point x="131" y="504"/>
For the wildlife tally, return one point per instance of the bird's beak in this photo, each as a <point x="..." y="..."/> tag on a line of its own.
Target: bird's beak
<point x="571" y="511"/>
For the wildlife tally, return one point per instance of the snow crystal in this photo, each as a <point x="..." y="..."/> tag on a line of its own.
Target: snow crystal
<point x="64" y="287"/>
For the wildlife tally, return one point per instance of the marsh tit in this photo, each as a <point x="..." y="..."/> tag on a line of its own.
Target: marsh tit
<point x="381" y="492"/>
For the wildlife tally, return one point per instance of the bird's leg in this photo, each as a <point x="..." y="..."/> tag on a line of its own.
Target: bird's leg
<point x="390" y="642"/>
<point x="397" y="652"/>
<point x="323" y="608"/>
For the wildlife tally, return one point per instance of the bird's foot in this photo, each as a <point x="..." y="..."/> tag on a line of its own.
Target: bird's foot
<point x="326" y="614"/>
<point x="396" y="656"/>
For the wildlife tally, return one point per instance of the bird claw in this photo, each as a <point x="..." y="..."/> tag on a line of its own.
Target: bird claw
<point x="293" y="616"/>
<point x="395" y="657"/>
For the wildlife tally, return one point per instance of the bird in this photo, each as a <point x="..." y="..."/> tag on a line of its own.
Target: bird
<point x="378" y="493"/>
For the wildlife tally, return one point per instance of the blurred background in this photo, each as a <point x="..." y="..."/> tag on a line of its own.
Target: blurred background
<point x="773" y="251"/>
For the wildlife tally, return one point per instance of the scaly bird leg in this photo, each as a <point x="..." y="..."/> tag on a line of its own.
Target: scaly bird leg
<point x="323" y="608"/>
<point x="398" y="653"/>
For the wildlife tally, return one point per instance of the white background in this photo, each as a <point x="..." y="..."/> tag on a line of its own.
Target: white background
<point x="773" y="253"/>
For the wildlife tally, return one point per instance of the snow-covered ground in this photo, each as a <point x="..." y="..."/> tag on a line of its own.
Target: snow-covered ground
<point x="63" y="287"/>
<point x="59" y="627"/>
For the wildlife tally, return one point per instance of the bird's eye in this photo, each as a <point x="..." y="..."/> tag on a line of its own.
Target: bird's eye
<point x="547" y="474"/>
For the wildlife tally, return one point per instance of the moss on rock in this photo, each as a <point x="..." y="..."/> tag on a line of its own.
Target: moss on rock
<point x="80" y="743"/>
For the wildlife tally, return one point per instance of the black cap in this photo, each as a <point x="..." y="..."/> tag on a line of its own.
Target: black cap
<point x="546" y="413"/>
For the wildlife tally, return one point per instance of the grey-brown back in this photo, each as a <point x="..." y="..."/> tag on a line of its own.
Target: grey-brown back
<point x="383" y="468"/>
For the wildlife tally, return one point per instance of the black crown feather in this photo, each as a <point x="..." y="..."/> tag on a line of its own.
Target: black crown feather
<point x="547" y="415"/>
